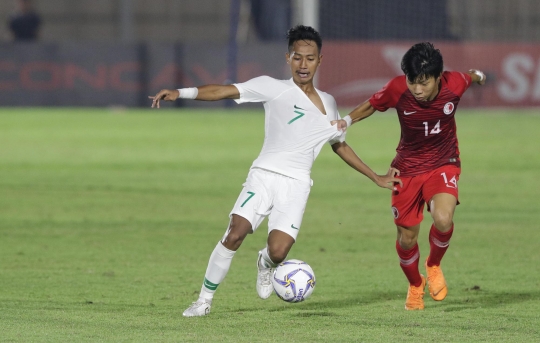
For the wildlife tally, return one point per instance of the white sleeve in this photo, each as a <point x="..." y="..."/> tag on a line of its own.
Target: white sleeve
<point x="333" y="114"/>
<point x="259" y="89"/>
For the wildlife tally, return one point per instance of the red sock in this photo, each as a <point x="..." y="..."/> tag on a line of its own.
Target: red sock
<point x="438" y="242"/>
<point x="408" y="260"/>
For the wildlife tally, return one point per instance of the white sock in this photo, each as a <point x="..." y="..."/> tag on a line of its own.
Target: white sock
<point x="266" y="261"/>
<point x="218" y="267"/>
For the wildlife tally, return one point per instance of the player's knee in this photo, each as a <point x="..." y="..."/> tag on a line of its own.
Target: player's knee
<point x="443" y="221"/>
<point x="278" y="254"/>
<point x="407" y="243"/>
<point x="233" y="240"/>
<point x="407" y="239"/>
<point x="234" y="237"/>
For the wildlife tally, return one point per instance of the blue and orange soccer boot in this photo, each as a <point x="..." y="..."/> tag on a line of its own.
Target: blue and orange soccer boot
<point x="415" y="296"/>
<point x="436" y="283"/>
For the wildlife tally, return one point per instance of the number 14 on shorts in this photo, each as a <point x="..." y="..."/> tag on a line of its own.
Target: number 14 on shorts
<point x="452" y="183"/>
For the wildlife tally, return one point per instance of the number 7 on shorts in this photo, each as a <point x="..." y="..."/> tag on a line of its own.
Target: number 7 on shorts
<point x="251" y="194"/>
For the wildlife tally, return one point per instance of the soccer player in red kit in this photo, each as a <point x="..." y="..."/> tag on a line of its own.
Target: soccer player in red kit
<point x="426" y="99"/>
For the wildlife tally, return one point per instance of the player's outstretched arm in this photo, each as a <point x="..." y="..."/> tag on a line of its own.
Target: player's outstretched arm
<point x="361" y="111"/>
<point x="477" y="76"/>
<point x="204" y="93"/>
<point x="348" y="155"/>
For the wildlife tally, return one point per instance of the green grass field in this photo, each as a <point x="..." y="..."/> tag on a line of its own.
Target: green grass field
<point x="108" y="218"/>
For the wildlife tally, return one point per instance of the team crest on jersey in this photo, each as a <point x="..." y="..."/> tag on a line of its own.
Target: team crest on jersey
<point x="448" y="108"/>
<point x="395" y="212"/>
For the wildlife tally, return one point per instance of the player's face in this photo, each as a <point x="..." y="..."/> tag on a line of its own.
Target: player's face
<point x="304" y="61"/>
<point x="424" y="89"/>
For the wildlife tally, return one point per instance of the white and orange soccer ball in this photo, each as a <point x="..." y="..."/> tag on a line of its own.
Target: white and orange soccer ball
<point x="293" y="281"/>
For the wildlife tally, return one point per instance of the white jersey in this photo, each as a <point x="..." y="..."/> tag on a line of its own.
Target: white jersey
<point x="295" y="129"/>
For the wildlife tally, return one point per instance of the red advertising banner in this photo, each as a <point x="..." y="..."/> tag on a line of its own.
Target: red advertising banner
<point x="93" y="74"/>
<point x="352" y="72"/>
<point x="103" y="75"/>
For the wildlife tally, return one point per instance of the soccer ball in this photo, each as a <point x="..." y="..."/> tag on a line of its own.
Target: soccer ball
<point x="293" y="281"/>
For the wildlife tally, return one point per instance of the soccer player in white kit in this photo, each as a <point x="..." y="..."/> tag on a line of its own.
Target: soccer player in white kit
<point x="299" y="120"/>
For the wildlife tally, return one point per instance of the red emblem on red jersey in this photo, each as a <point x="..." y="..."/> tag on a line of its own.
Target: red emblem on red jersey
<point x="395" y="212"/>
<point x="448" y="108"/>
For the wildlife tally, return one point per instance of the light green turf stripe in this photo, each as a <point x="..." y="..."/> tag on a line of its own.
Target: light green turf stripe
<point x="209" y="285"/>
<point x="300" y="116"/>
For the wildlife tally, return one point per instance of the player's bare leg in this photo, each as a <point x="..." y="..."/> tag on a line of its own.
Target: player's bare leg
<point x="278" y="246"/>
<point x="442" y="207"/>
<point x="239" y="228"/>
<point x="409" y="255"/>
<point x="219" y="264"/>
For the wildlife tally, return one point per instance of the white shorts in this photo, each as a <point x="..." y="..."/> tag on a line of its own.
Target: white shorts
<point x="281" y="198"/>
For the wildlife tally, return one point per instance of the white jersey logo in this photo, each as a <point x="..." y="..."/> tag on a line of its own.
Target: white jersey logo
<point x="407" y="113"/>
<point x="448" y="108"/>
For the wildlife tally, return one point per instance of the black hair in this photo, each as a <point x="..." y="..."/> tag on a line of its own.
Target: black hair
<point x="422" y="61"/>
<point x="301" y="32"/>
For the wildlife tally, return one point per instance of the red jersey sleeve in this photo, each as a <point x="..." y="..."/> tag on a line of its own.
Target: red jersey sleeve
<point x="389" y="95"/>
<point x="457" y="82"/>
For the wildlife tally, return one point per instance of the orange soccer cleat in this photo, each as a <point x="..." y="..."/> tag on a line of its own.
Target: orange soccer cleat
<point x="415" y="296"/>
<point x="436" y="283"/>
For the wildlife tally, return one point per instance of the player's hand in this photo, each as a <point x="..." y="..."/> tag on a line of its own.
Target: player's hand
<point x="483" y="82"/>
<point x="482" y="77"/>
<point x="389" y="180"/>
<point x="341" y="124"/>
<point x="164" y="94"/>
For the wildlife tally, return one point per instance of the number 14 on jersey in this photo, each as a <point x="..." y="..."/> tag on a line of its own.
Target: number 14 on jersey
<point x="434" y="130"/>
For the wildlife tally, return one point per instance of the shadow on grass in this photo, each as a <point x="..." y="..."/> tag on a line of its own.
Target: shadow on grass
<point x="474" y="299"/>
<point x="459" y="301"/>
<point x="320" y="307"/>
<point x="315" y="307"/>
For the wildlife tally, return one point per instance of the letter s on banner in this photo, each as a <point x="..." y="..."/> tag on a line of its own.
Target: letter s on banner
<point x="515" y="85"/>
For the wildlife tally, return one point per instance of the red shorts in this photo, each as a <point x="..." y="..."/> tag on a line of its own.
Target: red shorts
<point x="408" y="201"/>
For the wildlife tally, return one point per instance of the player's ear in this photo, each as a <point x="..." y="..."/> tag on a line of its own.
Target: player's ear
<point x="320" y="59"/>
<point x="288" y="57"/>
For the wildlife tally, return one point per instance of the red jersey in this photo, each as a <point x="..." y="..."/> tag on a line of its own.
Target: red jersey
<point x="428" y="128"/>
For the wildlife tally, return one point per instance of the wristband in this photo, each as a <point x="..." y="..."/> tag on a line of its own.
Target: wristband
<point x="348" y="119"/>
<point x="481" y="75"/>
<point x="188" y="93"/>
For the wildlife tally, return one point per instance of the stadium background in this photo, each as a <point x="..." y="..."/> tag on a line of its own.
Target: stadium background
<point x="106" y="53"/>
<point x="109" y="209"/>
